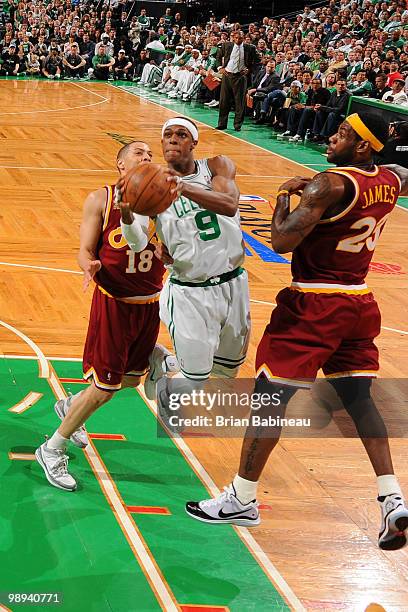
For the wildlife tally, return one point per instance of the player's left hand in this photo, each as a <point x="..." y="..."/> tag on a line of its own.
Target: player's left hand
<point x="177" y="187"/>
<point x="295" y="185"/>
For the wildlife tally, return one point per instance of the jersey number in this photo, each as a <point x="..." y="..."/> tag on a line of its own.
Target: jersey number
<point x="145" y="263"/>
<point x="207" y="223"/>
<point x="370" y="236"/>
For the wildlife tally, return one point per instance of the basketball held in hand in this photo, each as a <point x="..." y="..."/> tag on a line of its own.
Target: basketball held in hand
<point x="147" y="190"/>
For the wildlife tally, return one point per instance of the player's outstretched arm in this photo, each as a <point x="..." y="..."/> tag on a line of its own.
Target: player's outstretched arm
<point x="289" y="228"/>
<point x="402" y="173"/>
<point x="89" y="233"/>
<point x="223" y="198"/>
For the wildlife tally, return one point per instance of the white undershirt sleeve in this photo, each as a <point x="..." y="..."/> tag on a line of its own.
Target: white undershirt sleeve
<point x="136" y="234"/>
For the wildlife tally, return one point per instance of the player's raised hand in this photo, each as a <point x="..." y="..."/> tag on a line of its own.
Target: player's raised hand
<point x="295" y="185"/>
<point x="177" y="183"/>
<point x="126" y="213"/>
<point x="92" y="267"/>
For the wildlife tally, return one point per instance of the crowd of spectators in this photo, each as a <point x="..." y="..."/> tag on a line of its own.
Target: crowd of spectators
<point x="307" y="66"/>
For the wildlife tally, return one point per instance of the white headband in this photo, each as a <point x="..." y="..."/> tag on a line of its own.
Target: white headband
<point x="185" y="123"/>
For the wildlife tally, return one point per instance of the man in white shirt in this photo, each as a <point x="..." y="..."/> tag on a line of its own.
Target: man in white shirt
<point x="397" y="94"/>
<point x="237" y="60"/>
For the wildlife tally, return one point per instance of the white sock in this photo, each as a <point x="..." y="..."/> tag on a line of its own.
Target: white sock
<point x="388" y="484"/>
<point x="245" y="489"/>
<point x="57" y="442"/>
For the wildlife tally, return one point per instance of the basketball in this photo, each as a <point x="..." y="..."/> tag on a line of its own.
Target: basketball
<point x="147" y="190"/>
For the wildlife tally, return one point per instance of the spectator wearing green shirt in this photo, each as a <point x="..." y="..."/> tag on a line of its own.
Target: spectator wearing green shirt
<point x="361" y="86"/>
<point x="102" y="64"/>
<point x="144" y="20"/>
<point x="168" y="18"/>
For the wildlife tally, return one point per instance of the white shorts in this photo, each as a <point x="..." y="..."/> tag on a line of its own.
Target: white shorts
<point x="209" y="326"/>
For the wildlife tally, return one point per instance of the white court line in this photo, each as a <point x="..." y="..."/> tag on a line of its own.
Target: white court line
<point x="4" y="263"/>
<point x="14" y="265"/>
<point x="29" y="400"/>
<point x="61" y="110"/>
<point x="178" y="114"/>
<point x="264" y="561"/>
<point x="159" y="587"/>
<point x="162" y="591"/>
<point x="6" y="356"/>
<point x="44" y="367"/>
<point x="56" y="169"/>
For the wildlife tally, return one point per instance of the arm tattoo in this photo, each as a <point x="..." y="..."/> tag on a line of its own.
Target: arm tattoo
<point x="286" y="222"/>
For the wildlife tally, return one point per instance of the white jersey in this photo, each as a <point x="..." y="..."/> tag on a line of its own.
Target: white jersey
<point x="202" y="243"/>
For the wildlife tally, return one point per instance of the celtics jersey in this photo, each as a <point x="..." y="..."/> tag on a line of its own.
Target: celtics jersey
<point x="202" y="243"/>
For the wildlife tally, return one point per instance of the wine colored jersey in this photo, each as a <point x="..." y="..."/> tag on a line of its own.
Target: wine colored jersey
<point x="338" y="252"/>
<point x="125" y="273"/>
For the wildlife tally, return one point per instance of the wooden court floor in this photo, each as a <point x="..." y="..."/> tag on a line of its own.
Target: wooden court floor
<point x="58" y="142"/>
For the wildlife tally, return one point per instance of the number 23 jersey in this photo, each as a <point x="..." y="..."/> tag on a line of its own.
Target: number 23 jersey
<point x="202" y="243"/>
<point x="339" y="249"/>
<point x="124" y="273"/>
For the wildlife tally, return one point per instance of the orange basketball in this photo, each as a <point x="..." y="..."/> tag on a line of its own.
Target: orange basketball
<point x="147" y="190"/>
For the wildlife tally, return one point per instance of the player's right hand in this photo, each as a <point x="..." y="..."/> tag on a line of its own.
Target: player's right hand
<point x="92" y="268"/>
<point x="126" y="213"/>
<point x="295" y="185"/>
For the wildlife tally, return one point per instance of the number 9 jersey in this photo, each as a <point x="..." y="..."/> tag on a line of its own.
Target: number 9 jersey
<point x="202" y="243"/>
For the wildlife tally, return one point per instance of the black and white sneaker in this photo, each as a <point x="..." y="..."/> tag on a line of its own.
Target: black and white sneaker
<point x="226" y="508"/>
<point x="161" y="361"/>
<point x="61" y="407"/>
<point x="394" y="522"/>
<point x="55" y="465"/>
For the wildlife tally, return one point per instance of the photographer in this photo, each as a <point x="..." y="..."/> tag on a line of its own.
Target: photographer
<point x="396" y="147"/>
<point x="397" y="94"/>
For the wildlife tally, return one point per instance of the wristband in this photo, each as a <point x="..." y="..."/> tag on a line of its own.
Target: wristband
<point x="282" y="192"/>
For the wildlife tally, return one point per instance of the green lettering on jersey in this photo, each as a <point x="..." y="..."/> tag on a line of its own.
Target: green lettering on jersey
<point x="182" y="206"/>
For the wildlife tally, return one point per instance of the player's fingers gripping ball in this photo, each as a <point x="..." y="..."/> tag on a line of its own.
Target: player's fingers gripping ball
<point x="147" y="190"/>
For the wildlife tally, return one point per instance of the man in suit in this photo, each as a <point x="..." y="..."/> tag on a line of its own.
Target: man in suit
<point x="237" y="60"/>
<point x="265" y="81"/>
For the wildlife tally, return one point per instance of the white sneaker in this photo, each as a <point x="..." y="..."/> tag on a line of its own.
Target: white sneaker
<point x="208" y="103"/>
<point x="213" y="103"/>
<point x="226" y="508"/>
<point x="295" y="138"/>
<point x="286" y="134"/>
<point x="55" y="465"/>
<point x="157" y="88"/>
<point x="394" y="522"/>
<point x="161" y="361"/>
<point x="172" y="94"/>
<point x="61" y="407"/>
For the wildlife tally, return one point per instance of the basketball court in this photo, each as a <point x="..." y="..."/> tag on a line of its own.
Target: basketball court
<point x="122" y="541"/>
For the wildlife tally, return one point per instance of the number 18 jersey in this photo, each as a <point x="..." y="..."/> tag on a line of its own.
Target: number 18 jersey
<point x="202" y="243"/>
<point x="124" y="273"/>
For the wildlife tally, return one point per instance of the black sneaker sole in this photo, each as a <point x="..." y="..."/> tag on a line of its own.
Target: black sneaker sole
<point x="397" y="542"/>
<point x="233" y="521"/>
